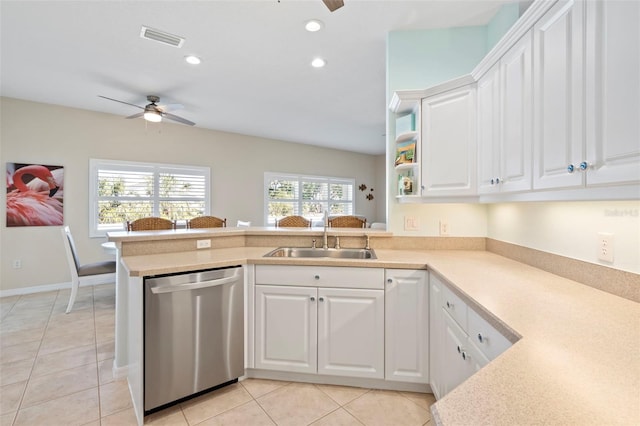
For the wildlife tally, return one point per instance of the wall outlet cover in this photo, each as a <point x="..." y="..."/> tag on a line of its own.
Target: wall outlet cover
<point x="605" y="247"/>
<point x="444" y="228"/>
<point x="203" y="244"/>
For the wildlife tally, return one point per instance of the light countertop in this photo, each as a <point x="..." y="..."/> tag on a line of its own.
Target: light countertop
<point x="578" y="359"/>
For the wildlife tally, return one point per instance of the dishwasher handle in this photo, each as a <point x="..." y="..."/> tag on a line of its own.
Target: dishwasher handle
<point x="193" y="286"/>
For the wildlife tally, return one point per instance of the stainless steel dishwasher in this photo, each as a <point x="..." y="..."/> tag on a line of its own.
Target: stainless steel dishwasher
<point x="193" y="334"/>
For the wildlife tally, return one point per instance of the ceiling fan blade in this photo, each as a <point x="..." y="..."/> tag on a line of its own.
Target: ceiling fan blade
<point x="137" y="115"/>
<point x="333" y="4"/>
<point x="170" y="107"/>
<point x="178" y="119"/>
<point x="122" y="102"/>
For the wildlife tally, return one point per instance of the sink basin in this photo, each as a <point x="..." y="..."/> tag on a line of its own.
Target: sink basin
<point x="344" y="253"/>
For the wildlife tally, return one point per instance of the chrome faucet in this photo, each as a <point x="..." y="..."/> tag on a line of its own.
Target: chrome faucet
<point x="325" y="243"/>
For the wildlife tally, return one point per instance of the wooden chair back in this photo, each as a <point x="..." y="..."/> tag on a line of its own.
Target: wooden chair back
<point x="150" y="224"/>
<point x="206" y="222"/>
<point x="293" y="222"/>
<point x="347" y="222"/>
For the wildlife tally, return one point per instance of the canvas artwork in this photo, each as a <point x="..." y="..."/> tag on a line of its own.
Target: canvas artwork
<point x="34" y="195"/>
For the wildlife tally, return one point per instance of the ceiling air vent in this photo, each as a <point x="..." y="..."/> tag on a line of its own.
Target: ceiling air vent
<point x="161" y="37"/>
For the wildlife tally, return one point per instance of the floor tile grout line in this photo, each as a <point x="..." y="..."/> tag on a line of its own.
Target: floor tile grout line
<point x="35" y="358"/>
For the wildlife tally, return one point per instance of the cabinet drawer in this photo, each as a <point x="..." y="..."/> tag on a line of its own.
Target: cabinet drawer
<point x="485" y="337"/>
<point x="454" y="305"/>
<point x="320" y="276"/>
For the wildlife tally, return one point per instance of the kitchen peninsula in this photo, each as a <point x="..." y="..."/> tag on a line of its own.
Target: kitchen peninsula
<point x="574" y="353"/>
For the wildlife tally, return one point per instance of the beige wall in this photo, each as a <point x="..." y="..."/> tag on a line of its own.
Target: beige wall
<point x="46" y="134"/>
<point x="571" y="228"/>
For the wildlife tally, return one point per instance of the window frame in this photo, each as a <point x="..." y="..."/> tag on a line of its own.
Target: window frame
<point x="329" y="180"/>
<point x="95" y="165"/>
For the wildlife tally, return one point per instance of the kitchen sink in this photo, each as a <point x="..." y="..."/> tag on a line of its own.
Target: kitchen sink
<point x="343" y="253"/>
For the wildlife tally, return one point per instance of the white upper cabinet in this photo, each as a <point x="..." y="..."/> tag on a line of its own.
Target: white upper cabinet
<point x="558" y="65"/>
<point x="489" y="131"/>
<point x="516" y="117"/>
<point x="504" y="122"/>
<point x="449" y="143"/>
<point x="613" y="91"/>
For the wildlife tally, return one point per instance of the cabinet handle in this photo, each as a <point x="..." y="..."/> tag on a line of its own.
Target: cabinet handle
<point x="449" y="305"/>
<point x="321" y="299"/>
<point x="480" y="338"/>
<point x="313" y="299"/>
<point x="570" y="168"/>
<point x="584" y="165"/>
<point x="317" y="277"/>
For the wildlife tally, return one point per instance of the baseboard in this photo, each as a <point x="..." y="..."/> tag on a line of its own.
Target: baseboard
<point x="255" y="373"/>
<point x="119" y="372"/>
<point x="84" y="282"/>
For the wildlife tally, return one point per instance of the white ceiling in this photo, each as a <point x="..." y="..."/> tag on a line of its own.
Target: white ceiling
<point x="255" y="77"/>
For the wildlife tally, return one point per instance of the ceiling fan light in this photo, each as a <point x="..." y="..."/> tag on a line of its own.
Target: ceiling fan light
<point x="313" y="25"/>
<point x="318" y="63"/>
<point x="193" y="60"/>
<point x="152" y="116"/>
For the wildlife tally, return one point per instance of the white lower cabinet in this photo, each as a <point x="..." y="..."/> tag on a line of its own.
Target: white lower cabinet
<point x="286" y="328"/>
<point x="324" y="330"/>
<point x="351" y="332"/>
<point x="462" y="342"/>
<point x="406" y="326"/>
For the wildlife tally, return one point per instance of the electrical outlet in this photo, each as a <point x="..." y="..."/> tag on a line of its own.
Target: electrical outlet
<point x="17" y="264"/>
<point x="203" y="244"/>
<point x="411" y="223"/>
<point x="605" y="247"/>
<point x="444" y="228"/>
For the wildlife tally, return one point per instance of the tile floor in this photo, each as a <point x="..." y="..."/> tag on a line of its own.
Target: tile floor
<point x="55" y="369"/>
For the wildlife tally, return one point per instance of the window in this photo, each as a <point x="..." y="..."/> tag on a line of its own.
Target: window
<point x="307" y="196"/>
<point x="124" y="190"/>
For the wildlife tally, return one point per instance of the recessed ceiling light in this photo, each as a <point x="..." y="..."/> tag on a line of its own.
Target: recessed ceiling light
<point x="318" y="63"/>
<point x="313" y="25"/>
<point x="193" y="60"/>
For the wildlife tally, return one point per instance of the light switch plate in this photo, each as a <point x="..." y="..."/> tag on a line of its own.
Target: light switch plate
<point x="411" y="223"/>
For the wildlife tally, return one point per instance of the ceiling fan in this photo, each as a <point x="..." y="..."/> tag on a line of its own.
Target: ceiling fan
<point x="153" y="112"/>
<point x="333" y="4"/>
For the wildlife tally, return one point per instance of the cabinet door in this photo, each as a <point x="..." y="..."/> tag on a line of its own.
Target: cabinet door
<point x="457" y="366"/>
<point x="613" y="92"/>
<point x="558" y="86"/>
<point x="406" y="326"/>
<point x="436" y="337"/>
<point x="286" y="328"/>
<point x="449" y="162"/>
<point x="351" y="332"/>
<point x="516" y="117"/>
<point x="488" y="131"/>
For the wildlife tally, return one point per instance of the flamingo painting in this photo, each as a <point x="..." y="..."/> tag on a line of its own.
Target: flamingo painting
<point x="34" y="195"/>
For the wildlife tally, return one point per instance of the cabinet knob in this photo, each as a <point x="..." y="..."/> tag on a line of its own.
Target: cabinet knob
<point x="464" y="355"/>
<point x="497" y="181"/>
<point x="480" y="338"/>
<point x="389" y="280"/>
<point x="584" y="165"/>
<point x="321" y="299"/>
<point x="317" y="277"/>
<point x="459" y="350"/>
<point x="493" y="181"/>
<point x="449" y="305"/>
<point x="570" y="168"/>
<point x="313" y="299"/>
